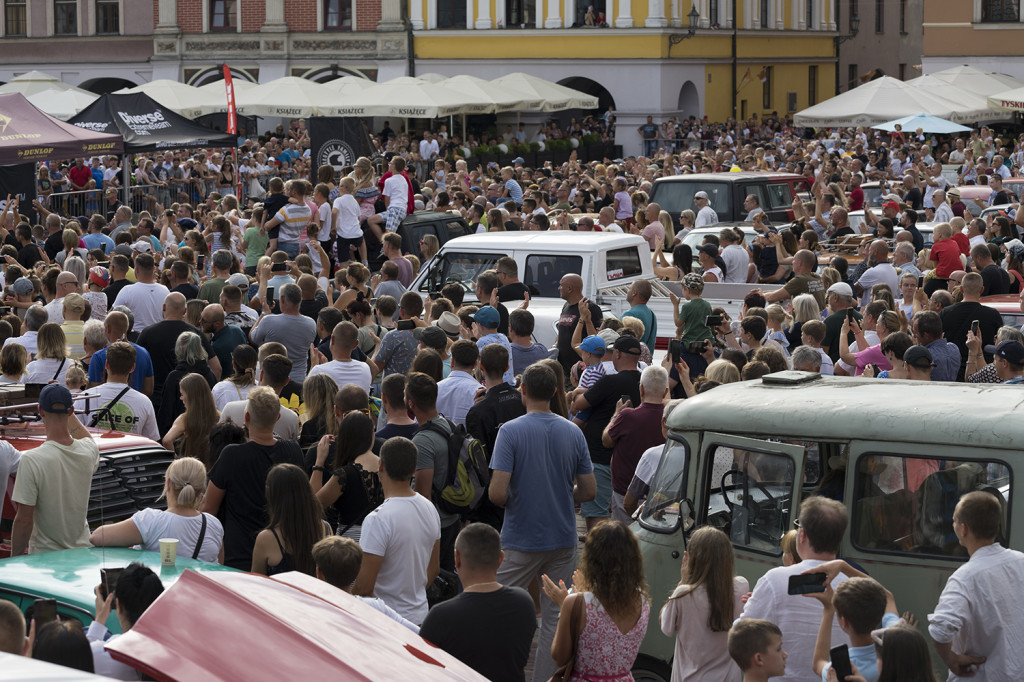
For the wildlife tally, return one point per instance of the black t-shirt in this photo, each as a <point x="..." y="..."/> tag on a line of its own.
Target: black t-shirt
<point x="499" y="405"/>
<point x="513" y="292"/>
<point x="241" y="472"/>
<point x="292" y="388"/>
<point x="914" y="198"/>
<point x="29" y="255"/>
<point x="956" y="322"/>
<point x="996" y="281"/>
<point x="271" y="205"/>
<point x="54" y="244"/>
<point x="403" y="430"/>
<point x="490" y="632"/>
<point x="312" y="308"/>
<point x="187" y="289"/>
<point x="566" y="326"/>
<point x="113" y="289"/>
<point x="602" y="397"/>
<point x="916" y="236"/>
<point x="159" y="340"/>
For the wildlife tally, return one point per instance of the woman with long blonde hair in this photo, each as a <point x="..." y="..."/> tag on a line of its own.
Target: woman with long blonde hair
<point x="702" y="608"/>
<point x="52" y="361"/>
<point x="318" y="392"/>
<point x="189" y="435"/>
<point x="184" y="488"/>
<point x="611" y="583"/>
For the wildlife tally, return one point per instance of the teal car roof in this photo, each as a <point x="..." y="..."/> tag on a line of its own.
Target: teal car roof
<point x="70" y="575"/>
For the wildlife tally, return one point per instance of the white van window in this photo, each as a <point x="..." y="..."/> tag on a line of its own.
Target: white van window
<point x="621" y="263"/>
<point x="543" y="273"/>
<point x="661" y="512"/>
<point x="749" y="496"/>
<point x="462" y="268"/>
<point x="905" y="504"/>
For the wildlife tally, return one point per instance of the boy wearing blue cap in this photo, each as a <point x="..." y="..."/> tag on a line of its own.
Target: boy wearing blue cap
<point x="52" y="487"/>
<point x="485" y="329"/>
<point x="591" y="350"/>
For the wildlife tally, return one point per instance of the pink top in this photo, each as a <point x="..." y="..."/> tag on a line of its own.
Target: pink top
<point x="701" y="655"/>
<point x="604" y="654"/>
<point x="872" y="355"/>
<point x="652" y="232"/>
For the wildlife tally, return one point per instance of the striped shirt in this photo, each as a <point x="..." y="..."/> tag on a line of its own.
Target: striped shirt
<point x="293" y="221"/>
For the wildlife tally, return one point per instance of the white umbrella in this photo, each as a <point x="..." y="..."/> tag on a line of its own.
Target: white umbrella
<point x="406" y="97"/>
<point x="217" y="87"/>
<point x="349" y="85"/>
<point x="977" y="80"/>
<point x="969" y="106"/>
<point x="1010" y="100"/>
<point x="62" y="104"/>
<point x="187" y="100"/>
<point x="290" y="97"/>
<point x="877" y="101"/>
<point x="432" y="77"/>
<point x="543" y="95"/>
<point x="33" y="82"/>
<point x="927" y="124"/>
<point x="489" y="98"/>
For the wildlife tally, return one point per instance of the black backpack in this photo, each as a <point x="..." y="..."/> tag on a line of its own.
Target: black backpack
<point x="468" y="474"/>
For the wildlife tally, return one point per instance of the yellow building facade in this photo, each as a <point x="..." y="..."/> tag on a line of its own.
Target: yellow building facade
<point x="761" y="56"/>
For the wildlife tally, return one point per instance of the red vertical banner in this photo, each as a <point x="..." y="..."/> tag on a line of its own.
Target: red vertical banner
<point x="230" y="87"/>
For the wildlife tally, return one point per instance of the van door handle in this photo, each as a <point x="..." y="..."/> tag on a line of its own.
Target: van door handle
<point x="675" y="554"/>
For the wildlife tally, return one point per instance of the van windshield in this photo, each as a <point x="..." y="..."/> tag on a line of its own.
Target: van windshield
<point x="661" y="512"/>
<point x="676" y="196"/>
<point x="462" y="268"/>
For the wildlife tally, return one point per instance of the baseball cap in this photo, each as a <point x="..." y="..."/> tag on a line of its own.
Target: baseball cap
<point x="55" y="398"/>
<point x="1009" y="350"/>
<point x="628" y="344"/>
<point x="123" y="250"/>
<point x="432" y="337"/>
<point x="487" y="317"/>
<point x="693" y="281"/>
<point x="519" y="159"/>
<point x="841" y="289"/>
<point x="891" y="204"/>
<point x="593" y="344"/>
<point x="239" y="280"/>
<point x="99" y="276"/>
<point x="709" y="249"/>
<point x="919" y="357"/>
<point x="701" y="195"/>
<point x="22" y="286"/>
<point x="142" y="246"/>
<point x="449" y="323"/>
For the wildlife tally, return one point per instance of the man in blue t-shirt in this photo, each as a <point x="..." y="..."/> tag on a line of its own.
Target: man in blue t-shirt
<point x="638" y="295"/>
<point x="541" y="470"/>
<point x="115" y="326"/>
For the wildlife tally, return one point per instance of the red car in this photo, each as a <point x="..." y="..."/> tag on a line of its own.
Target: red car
<point x="1009" y="306"/>
<point x="130" y="475"/>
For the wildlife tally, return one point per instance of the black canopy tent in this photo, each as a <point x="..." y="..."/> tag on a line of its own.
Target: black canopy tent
<point x="147" y="126"/>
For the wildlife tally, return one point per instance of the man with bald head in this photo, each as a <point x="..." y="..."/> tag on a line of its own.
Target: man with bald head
<point x="879" y="271"/>
<point x="159" y="340"/>
<point x="805" y="281"/>
<point x="840" y="220"/>
<point x="115" y="327"/>
<point x="67" y="283"/>
<point x="570" y="288"/>
<point x="943" y="211"/>
<point x="223" y="337"/>
<point x="606" y="220"/>
<point x="654" y="230"/>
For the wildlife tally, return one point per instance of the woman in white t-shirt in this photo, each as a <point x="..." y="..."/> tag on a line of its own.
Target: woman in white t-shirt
<point x="52" y="361"/>
<point x="242" y="379"/>
<point x="184" y="486"/>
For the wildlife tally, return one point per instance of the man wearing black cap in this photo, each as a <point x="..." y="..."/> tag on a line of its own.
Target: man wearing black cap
<point x="1008" y="359"/>
<point x="919" y="363"/>
<point x="603" y="399"/>
<point x="52" y="487"/>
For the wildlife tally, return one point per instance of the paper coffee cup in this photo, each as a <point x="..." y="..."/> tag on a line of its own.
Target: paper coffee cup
<point x="168" y="551"/>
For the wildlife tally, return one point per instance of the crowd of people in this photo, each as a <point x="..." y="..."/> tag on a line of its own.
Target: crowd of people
<point x="326" y="419"/>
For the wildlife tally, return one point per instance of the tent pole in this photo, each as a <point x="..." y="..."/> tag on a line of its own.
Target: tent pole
<point x="464" y="138"/>
<point x="126" y="178"/>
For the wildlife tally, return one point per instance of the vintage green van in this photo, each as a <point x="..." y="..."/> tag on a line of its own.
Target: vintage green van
<point x="900" y="454"/>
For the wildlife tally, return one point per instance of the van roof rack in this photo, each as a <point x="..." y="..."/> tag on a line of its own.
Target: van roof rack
<point x="28" y="413"/>
<point x="790" y="377"/>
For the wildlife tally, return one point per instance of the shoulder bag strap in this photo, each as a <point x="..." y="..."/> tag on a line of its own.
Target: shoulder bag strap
<point x="202" y="536"/>
<point x="59" y="368"/>
<point x="106" y="408"/>
<point x="574" y="624"/>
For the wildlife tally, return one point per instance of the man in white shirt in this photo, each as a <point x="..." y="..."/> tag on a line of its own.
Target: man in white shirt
<point x="120" y="407"/>
<point x="67" y="283"/>
<point x="977" y="623"/>
<point x="606" y="220"/>
<point x="35" y="317"/>
<point x="935" y="181"/>
<point x="752" y="205"/>
<point x="455" y="395"/>
<point x="943" y="212"/>
<point x="400" y="539"/>
<point x="428" y="153"/>
<point x="706" y="215"/>
<point x="821" y="524"/>
<point x="736" y="258"/>
<point x="145" y="297"/>
<point x="976" y="231"/>
<point x="880" y="272"/>
<point x="343" y="369"/>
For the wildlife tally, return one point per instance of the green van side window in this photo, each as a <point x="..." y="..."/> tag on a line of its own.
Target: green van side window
<point x="905" y="504"/>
